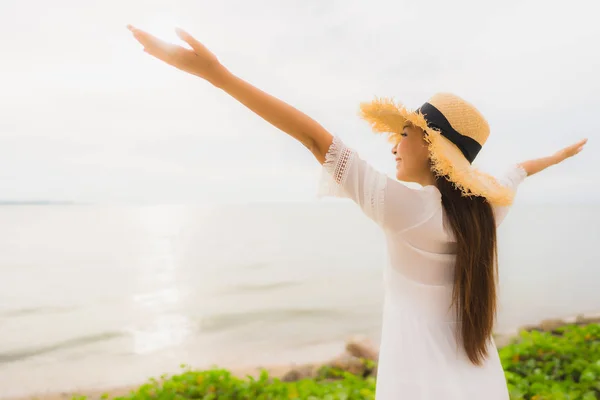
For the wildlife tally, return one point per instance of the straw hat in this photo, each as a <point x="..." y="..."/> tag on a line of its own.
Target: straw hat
<point x="455" y="131"/>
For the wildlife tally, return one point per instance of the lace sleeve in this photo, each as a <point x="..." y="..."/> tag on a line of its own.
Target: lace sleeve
<point x="346" y="175"/>
<point x="338" y="161"/>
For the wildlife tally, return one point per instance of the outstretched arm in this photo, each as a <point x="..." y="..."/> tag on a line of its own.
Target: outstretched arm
<point x="540" y="164"/>
<point x="281" y="115"/>
<point x="201" y="62"/>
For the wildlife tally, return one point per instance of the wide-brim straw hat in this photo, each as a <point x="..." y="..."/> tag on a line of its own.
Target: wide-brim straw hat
<point x="455" y="132"/>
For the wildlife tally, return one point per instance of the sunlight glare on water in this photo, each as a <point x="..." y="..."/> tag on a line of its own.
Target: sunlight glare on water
<point x="161" y="297"/>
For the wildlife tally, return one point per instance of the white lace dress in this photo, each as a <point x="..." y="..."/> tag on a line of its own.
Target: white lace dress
<point x="419" y="357"/>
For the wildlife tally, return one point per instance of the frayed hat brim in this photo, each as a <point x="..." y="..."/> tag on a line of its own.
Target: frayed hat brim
<point x="388" y="117"/>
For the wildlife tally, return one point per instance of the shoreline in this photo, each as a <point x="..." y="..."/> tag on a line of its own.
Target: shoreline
<point x="357" y="347"/>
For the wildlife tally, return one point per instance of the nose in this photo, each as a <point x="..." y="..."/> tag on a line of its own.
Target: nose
<point x="394" y="150"/>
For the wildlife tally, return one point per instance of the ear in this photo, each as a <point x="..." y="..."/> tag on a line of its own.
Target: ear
<point x="424" y="139"/>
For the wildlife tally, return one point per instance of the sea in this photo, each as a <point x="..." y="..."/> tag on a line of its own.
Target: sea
<point x="102" y="296"/>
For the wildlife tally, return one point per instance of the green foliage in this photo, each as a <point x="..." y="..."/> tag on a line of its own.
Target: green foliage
<point x="562" y="365"/>
<point x="220" y="384"/>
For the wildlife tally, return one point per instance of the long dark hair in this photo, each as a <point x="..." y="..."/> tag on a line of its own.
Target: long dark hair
<point x="476" y="274"/>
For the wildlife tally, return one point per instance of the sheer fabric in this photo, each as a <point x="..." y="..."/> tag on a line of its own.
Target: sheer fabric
<point x="420" y="356"/>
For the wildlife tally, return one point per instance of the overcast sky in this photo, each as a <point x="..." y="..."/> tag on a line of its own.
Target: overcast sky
<point x="85" y="115"/>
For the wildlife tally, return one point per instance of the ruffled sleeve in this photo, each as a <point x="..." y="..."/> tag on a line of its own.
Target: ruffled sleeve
<point x="513" y="177"/>
<point x="389" y="203"/>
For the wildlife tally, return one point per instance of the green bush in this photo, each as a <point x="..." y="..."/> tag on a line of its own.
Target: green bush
<point x="562" y="365"/>
<point x="220" y="384"/>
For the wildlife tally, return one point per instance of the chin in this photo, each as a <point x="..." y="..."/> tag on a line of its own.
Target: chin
<point x="402" y="177"/>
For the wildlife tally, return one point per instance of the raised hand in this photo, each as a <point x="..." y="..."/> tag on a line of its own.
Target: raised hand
<point x="570" y="151"/>
<point x="198" y="61"/>
<point x="201" y="62"/>
<point x="540" y="164"/>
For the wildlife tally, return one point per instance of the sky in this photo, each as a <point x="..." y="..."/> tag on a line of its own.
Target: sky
<point x="86" y="116"/>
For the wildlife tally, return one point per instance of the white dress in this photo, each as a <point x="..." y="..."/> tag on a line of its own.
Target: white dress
<point x="419" y="356"/>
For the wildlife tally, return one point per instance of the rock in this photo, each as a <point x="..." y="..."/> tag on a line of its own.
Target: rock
<point x="299" y="372"/>
<point x="530" y="328"/>
<point x="583" y="320"/>
<point x="549" y="325"/>
<point x="349" y="363"/>
<point x="362" y="349"/>
<point x="373" y="372"/>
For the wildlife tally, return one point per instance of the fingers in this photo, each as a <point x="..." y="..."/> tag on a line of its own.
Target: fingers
<point x="152" y="44"/>
<point x="575" y="148"/>
<point x="189" y="39"/>
<point x="579" y="145"/>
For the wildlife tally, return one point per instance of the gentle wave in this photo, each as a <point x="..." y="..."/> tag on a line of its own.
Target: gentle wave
<point x="20" y="312"/>
<point x="23" y="354"/>
<point x="262" y="287"/>
<point x="253" y="266"/>
<point x="220" y="322"/>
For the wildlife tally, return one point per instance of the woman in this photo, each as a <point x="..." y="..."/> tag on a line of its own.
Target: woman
<point x="440" y="299"/>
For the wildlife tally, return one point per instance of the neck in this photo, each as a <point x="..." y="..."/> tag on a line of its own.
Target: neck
<point x="427" y="179"/>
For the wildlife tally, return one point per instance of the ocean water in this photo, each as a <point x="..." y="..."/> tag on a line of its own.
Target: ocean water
<point x="104" y="296"/>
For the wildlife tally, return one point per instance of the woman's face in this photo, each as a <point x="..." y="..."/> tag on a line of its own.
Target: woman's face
<point x="412" y="156"/>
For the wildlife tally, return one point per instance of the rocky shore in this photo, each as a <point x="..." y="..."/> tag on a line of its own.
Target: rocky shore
<point x="547" y="325"/>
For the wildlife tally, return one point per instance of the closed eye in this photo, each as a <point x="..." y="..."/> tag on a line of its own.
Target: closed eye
<point x="403" y="134"/>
